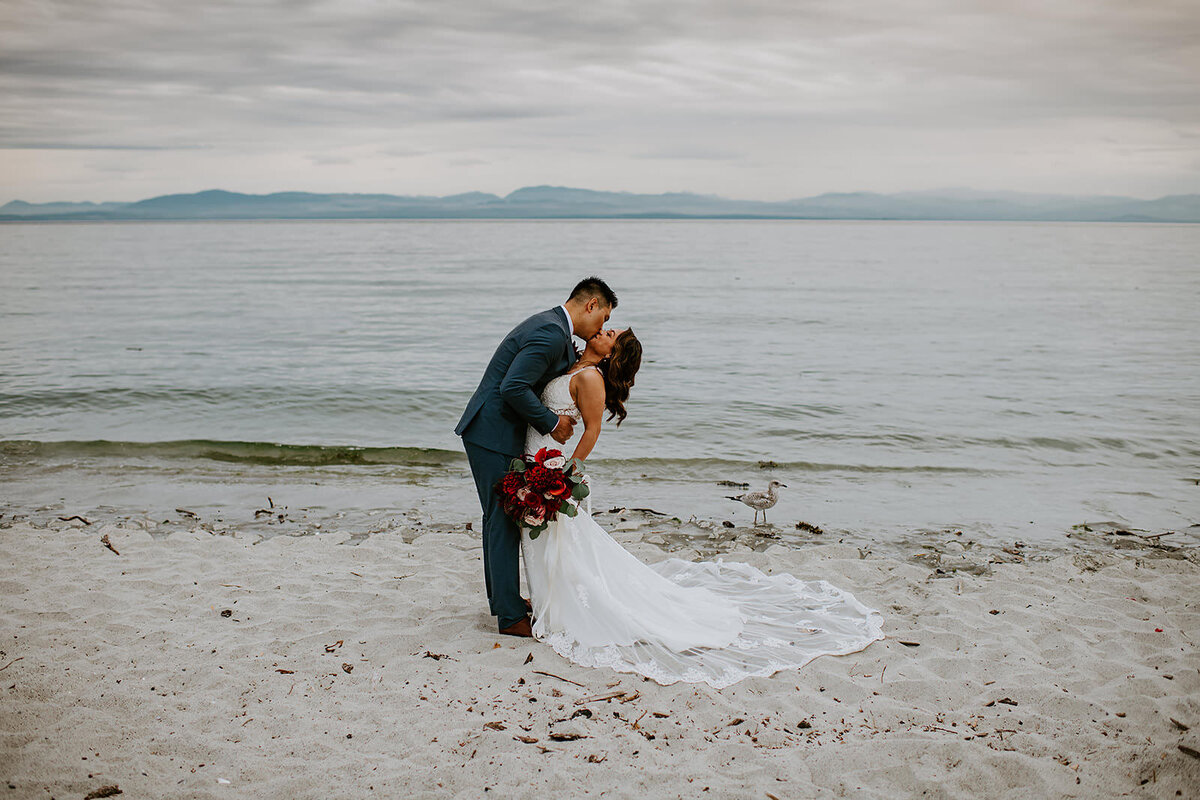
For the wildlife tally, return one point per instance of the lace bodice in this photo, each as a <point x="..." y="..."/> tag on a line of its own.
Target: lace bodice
<point x="556" y="397"/>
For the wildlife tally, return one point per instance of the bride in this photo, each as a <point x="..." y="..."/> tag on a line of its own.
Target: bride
<point x="709" y="622"/>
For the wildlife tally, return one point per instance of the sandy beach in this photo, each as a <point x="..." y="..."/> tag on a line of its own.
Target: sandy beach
<point x="338" y="665"/>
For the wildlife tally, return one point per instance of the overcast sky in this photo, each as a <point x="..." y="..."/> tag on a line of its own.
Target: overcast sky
<point x="763" y="99"/>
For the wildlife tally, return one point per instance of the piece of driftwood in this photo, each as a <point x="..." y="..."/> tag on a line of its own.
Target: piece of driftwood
<point x="103" y="791"/>
<point x="104" y="541"/>
<point x="596" y="698"/>
<point x="560" y="677"/>
<point x="76" y="516"/>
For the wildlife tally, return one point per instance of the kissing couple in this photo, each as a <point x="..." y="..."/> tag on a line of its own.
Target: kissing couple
<point x="591" y="600"/>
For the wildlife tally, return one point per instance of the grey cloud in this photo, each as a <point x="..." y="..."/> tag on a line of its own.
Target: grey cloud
<point x="70" y="146"/>
<point x="691" y="153"/>
<point x="655" y="79"/>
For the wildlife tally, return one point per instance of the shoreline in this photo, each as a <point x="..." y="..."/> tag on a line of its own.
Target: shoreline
<point x="421" y="510"/>
<point x="351" y="664"/>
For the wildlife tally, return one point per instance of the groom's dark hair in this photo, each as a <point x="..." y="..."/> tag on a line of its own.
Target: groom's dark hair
<point x="594" y="287"/>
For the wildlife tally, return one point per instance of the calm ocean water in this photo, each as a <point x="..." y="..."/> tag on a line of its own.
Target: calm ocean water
<point x="1008" y="378"/>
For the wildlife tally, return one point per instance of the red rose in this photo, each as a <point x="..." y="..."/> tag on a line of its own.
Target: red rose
<point x="533" y="500"/>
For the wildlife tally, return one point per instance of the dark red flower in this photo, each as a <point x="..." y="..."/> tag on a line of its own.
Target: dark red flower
<point x="540" y="479"/>
<point x="511" y="482"/>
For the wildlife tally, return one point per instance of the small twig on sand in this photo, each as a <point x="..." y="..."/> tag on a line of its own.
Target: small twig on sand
<point x="76" y="516"/>
<point x="9" y="664"/>
<point x="104" y="541"/>
<point x="103" y="791"/>
<point x="649" y="511"/>
<point x="598" y="697"/>
<point x="552" y="675"/>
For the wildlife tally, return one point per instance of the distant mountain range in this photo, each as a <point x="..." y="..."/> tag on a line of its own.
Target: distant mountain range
<point x="552" y="202"/>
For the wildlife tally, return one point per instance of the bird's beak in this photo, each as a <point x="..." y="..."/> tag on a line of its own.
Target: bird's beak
<point x="784" y="485"/>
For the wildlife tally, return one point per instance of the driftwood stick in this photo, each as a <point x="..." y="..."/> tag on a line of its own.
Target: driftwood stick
<point x="9" y="664"/>
<point x="560" y="677"/>
<point x="598" y="697"/>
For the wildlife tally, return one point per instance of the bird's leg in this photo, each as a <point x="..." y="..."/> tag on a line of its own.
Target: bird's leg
<point x="764" y="516"/>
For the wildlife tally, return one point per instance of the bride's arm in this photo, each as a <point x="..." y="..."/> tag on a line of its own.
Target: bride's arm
<point x="588" y="389"/>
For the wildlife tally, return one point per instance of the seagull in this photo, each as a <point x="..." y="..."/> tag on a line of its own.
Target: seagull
<point x="761" y="501"/>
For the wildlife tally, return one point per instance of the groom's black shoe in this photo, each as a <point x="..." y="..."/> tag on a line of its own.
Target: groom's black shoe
<point x="521" y="627"/>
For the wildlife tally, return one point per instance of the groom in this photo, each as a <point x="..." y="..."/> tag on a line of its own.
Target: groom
<point x="493" y="428"/>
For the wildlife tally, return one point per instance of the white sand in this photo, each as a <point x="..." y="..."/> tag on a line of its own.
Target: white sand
<point x="121" y="669"/>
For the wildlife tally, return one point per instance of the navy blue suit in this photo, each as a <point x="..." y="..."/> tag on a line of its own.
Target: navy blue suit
<point x="493" y="431"/>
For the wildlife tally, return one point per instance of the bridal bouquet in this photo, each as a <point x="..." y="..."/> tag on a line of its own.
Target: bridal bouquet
<point x="538" y="487"/>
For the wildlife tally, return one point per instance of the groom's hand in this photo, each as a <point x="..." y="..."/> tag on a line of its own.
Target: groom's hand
<point x="563" y="430"/>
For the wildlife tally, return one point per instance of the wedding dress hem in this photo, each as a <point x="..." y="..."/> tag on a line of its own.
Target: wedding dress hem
<point x="712" y="622"/>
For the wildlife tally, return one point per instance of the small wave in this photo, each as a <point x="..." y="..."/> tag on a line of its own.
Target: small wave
<point x="314" y="455"/>
<point x="263" y="453"/>
<point x="701" y="467"/>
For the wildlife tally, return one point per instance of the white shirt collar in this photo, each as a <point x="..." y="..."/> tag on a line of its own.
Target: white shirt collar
<point x="570" y="324"/>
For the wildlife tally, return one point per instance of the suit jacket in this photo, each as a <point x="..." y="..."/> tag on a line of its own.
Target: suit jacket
<point x="507" y="399"/>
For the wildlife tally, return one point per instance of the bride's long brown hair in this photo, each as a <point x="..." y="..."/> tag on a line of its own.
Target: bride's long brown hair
<point x="619" y="370"/>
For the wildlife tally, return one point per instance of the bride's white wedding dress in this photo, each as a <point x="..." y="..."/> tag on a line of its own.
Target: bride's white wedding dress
<point x="707" y="622"/>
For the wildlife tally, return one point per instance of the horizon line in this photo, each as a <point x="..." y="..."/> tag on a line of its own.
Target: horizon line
<point x="936" y="191"/>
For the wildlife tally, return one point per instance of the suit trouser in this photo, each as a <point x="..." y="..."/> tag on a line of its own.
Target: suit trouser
<point x="501" y="537"/>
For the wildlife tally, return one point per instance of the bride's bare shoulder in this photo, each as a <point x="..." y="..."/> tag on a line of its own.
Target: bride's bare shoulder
<point x="587" y="382"/>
